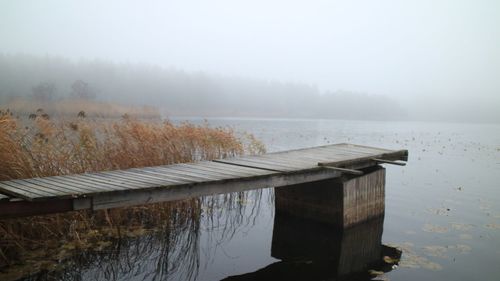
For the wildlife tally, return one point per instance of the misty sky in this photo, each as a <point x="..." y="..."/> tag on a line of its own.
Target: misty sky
<point x="404" y="49"/>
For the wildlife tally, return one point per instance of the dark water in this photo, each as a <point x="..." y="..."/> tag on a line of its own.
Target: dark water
<point x="442" y="209"/>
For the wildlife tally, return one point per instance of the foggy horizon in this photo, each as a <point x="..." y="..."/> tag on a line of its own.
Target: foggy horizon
<point x="434" y="60"/>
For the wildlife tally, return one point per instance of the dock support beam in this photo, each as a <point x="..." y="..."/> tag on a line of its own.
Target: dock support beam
<point x="342" y="202"/>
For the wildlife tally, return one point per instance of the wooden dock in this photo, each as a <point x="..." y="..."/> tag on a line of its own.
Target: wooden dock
<point x="136" y="186"/>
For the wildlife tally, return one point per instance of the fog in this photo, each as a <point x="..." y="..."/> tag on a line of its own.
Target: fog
<point x="399" y="60"/>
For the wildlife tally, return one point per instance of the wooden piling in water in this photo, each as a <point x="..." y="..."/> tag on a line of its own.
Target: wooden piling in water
<point x="343" y="202"/>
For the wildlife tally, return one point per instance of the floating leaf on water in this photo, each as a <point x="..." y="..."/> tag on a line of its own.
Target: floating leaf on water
<point x="435" y="251"/>
<point x="434" y="228"/>
<point x="439" y="211"/>
<point x="410" y="259"/>
<point x="432" y="266"/>
<point x="461" y="226"/>
<point x="461" y="248"/>
<point x="485" y="207"/>
<point x="492" y="226"/>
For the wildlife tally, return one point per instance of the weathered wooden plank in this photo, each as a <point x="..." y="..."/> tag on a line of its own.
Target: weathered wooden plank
<point x="79" y="182"/>
<point x="368" y="160"/>
<point x="324" y="154"/>
<point x="103" y="183"/>
<point x="147" y="173"/>
<point x="33" y="187"/>
<point x="347" y="151"/>
<point x="338" y="152"/>
<point x="279" y="163"/>
<point x="227" y="172"/>
<point x="239" y="169"/>
<point x="307" y="161"/>
<point x="195" y="177"/>
<point x="310" y="154"/>
<point x="145" y="196"/>
<point x="275" y="162"/>
<point x="116" y="175"/>
<point x="245" y="163"/>
<point x="142" y="176"/>
<point x="343" y="170"/>
<point x="171" y="175"/>
<point x="4" y="197"/>
<point x="24" y="193"/>
<point x="60" y="192"/>
<point x="296" y="162"/>
<point x="359" y="147"/>
<point x="214" y="174"/>
<point x="116" y="181"/>
<point x="63" y="188"/>
<point x="178" y="168"/>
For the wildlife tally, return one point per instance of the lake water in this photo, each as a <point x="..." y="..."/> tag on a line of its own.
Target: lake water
<point x="442" y="209"/>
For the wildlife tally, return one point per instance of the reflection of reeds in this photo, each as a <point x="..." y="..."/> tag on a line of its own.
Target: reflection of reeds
<point x="45" y="147"/>
<point x="170" y="252"/>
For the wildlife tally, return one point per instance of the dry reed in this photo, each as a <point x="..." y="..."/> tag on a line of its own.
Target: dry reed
<point x="43" y="146"/>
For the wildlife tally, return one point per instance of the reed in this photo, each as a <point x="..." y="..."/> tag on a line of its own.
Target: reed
<point x="45" y="146"/>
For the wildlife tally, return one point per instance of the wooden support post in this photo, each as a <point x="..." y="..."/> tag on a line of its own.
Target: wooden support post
<point x="342" y="202"/>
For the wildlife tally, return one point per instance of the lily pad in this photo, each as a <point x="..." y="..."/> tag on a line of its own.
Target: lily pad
<point x="435" y="251"/>
<point x="492" y="226"/>
<point x="461" y="226"/>
<point x="434" y="228"/>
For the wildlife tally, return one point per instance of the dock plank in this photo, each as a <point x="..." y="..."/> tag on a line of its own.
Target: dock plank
<point x="204" y="172"/>
<point x="244" y="163"/>
<point x="236" y="170"/>
<point x="59" y="189"/>
<point x="225" y="172"/>
<point x="190" y="176"/>
<point x="21" y="191"/>
<point x="83" y="183"/>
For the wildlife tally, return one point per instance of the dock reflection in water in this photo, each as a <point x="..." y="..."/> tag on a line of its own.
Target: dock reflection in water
<point x="306" y="250"/>
<point x="310" y="250"/>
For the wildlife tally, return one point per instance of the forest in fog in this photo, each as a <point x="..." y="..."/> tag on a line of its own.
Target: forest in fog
<point x="178" y="93"/>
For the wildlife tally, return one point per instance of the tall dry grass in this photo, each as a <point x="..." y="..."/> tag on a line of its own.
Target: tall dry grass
<point x="45" y="146"/>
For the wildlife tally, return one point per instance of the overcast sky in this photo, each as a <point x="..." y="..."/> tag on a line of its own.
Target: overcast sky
<point x="404" y="49"/>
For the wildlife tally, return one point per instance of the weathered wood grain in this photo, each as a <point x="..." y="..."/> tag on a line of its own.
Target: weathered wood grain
<point x="181" y="180"/>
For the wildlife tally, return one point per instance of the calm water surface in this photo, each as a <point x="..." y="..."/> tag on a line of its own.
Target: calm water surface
<point x="442" y="208"/>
